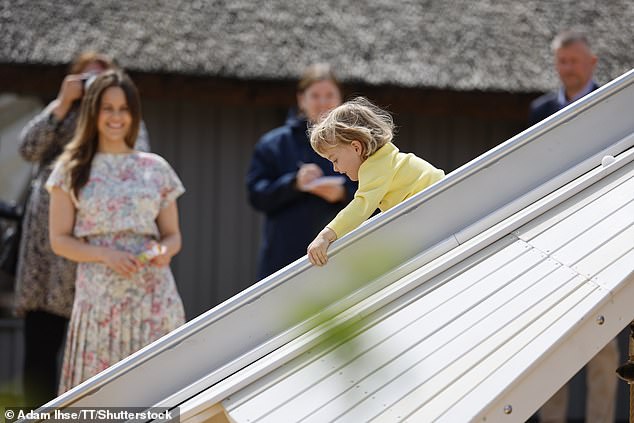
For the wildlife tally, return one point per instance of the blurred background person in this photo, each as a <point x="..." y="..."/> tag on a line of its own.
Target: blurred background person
<point x="575" y="64"/>
<point x="44" y="281"/>
<point x="283" y="179"/>
<point x="113" y="210"/>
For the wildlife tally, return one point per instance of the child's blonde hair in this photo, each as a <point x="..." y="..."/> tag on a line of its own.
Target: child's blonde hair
<point x="355" y="120"/>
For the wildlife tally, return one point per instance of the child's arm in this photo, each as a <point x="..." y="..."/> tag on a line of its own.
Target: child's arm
<point x="374" y="181"/>
<point x="318" y="249"/>
<point x="365" y="202"/>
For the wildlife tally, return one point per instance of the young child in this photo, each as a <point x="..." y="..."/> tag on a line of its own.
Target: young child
<point x="357" y="138"/>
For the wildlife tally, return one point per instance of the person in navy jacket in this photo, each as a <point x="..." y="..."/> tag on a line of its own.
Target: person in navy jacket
<point x="284" y="180"/>
<point x="575" y="65"/>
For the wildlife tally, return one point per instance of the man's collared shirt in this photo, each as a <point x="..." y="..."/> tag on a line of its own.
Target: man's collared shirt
<point x="561" y="95"/>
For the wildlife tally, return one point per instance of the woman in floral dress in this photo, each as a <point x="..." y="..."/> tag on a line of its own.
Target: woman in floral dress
<point x="113" y="211"/>
<point x="45" y="282"/>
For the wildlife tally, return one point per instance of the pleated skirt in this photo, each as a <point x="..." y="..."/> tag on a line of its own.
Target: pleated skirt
<point x="114" y="316"/>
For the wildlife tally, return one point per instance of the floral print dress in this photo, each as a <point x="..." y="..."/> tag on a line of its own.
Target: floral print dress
<point x="45" y="281"/>
<point x="114" y="316"/>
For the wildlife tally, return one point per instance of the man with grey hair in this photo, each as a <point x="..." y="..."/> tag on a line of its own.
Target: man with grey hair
<point x="575" y="64"/>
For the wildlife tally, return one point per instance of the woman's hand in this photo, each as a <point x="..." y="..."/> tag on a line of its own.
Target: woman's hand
<point x="318" y="249"/>
<point x="307" y="173"/>
<point x="162" y="259"/>
<point x="122" y="262"/>
<point x="72" y="89"/>
<point x="330" y="193"/>
<point x="170" y="241"/>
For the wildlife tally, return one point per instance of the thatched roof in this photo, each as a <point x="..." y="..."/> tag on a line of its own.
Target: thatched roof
<point x="449" y="44"/>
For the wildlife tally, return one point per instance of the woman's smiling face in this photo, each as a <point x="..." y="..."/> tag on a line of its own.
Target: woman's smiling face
<point x="318" y="99"/>
<point x="114" y="118"/>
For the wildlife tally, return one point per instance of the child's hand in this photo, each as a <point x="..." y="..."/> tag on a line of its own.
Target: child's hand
<point x="318" y="249"/>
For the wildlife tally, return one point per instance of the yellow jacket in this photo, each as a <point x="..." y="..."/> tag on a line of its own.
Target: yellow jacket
<point x="386" y="178"/>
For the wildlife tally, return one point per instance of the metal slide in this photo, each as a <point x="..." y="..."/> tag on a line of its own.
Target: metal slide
<point x="486" y="332"/>
<point x="499" y="219"/>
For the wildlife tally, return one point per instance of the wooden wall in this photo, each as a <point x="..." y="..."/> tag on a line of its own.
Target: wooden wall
<point x="210" y="147"/>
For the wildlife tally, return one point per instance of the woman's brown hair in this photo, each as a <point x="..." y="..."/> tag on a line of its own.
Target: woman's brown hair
<point x="80" y="151"/>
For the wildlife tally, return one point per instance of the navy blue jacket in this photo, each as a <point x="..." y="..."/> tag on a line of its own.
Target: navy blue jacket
<point x="546" y="105"/>
<point x="292" y="218"/>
